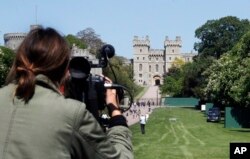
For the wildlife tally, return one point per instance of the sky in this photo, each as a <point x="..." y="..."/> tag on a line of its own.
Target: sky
<point x="118" y="21"/>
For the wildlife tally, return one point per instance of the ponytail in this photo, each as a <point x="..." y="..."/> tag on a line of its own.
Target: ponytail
<point x="25" y="84"/>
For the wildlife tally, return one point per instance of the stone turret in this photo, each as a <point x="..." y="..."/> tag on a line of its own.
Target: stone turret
<point x="141" y="46"/>
<point x="173" y="43"/>
<point x="141" y="42"/>
<point x="13" y="40"/>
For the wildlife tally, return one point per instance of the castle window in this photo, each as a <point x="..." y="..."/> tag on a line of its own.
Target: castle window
<point x="137" y="58"/>
<point x="156" y="67"/>
<point x="140" y="67"/>
<point x="173" y="51"/>
<point x="140" y="75"/>
<point x="169" y="58"/>
<point x="140" y="50"/>
<point x="143" y="58"/>
<point x="156" y="58"/>
<point x="149" y="68"/>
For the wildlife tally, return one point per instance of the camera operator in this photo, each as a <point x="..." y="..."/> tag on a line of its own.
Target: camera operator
<point x="37" y="121"/>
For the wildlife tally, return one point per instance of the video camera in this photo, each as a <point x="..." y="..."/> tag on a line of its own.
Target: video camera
<point x="91" y="89"/>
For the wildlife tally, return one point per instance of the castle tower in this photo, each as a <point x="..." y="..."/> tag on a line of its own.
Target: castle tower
<point x="173" y="46"/>
<point x="141" y="46"/>
<point x="172" y="51"/>
<point x="140" y="63"/>
<point x="13" y="40"/>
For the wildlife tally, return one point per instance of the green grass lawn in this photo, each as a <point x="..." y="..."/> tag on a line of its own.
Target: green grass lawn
<point x="189" y="137"/>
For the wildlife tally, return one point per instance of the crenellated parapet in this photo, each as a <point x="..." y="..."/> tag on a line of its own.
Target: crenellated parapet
<point x="18" y="36"/>
<point x="173" y="43"/>
<point x="141" y="42"/>
<point x="156" y="53"/>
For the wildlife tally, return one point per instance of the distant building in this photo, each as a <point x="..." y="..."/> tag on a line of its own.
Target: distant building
<point x="13" y="41"/>
<point x="150" y="65"/>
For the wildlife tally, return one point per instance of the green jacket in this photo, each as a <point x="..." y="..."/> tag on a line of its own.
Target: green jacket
<point x="50" y="126"/>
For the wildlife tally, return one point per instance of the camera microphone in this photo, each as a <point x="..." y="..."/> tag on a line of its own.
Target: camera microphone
<point x="106" y="52"/>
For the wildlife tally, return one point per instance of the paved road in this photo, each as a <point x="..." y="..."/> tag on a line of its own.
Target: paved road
<point x="151" y="95"/>
<point x="152" y="92"/>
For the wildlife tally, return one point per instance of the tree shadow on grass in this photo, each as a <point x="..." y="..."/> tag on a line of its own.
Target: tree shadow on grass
<point x="241" y="130"/>
<point x="191" y="108"/>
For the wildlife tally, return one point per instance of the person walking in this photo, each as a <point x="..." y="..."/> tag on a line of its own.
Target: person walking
<point x="142" y="123"/>
<point x="37" y="121"/>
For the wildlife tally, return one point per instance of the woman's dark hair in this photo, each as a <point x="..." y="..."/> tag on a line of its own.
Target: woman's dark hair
<point x="43" y="51"/>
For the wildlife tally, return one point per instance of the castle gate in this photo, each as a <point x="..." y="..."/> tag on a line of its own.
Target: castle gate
<point x="157" y="80"/>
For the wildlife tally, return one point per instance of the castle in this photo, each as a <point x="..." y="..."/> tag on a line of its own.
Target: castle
<point x="150" y="65"/>
<point x="13" y="41"/>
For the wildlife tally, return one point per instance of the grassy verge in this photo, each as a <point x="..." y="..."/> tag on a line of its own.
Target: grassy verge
<point x="187" y="137"/>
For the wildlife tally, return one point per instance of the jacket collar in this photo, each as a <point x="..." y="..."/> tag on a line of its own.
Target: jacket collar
<point x="44" y="81"/>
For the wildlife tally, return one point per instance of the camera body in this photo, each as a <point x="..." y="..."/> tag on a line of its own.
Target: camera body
<point x="88" y="88"/>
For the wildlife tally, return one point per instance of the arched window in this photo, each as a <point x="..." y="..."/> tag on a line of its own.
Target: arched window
<point x="140" y="67"/>
<point x="156" y="67"/>
<point x="149" y="68"/>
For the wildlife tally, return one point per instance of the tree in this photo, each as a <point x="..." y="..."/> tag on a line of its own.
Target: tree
<point x="178" y="62"/>
<point x="91" y="39"/>
<point x="187" y="80"/>
<point x="173" y="82"/>
<point x="6" y="60"/>
<point x="219" y="36"/>
<point x="71" y="39"/>
<point x="194" y="80"/>
<point x="229" y="77"/>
